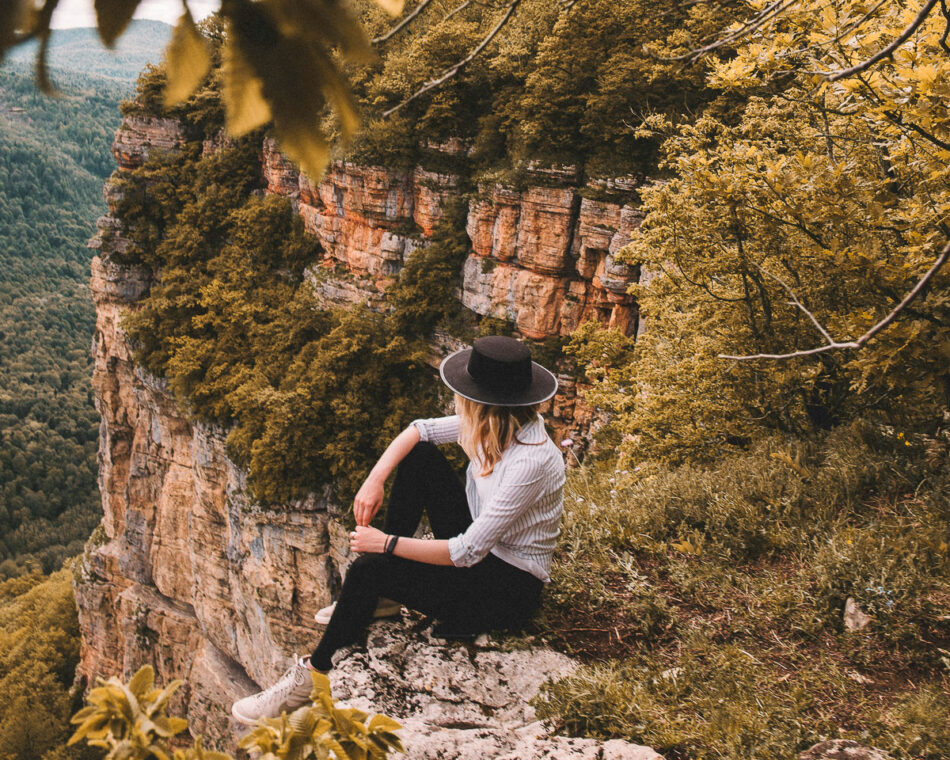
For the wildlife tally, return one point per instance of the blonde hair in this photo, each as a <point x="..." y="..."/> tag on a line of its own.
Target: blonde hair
<point x="485" y="431"/>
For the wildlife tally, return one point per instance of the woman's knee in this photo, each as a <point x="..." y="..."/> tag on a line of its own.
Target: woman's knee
<point x="421" y="456"/>
<point x="367" y="569"/>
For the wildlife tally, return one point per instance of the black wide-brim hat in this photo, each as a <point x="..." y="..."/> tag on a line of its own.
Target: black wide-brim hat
<point x="498" y="370"/>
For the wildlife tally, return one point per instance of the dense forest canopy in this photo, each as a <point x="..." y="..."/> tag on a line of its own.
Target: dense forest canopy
<point x="55" y="159"/>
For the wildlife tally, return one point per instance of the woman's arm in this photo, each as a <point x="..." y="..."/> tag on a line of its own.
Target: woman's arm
<point x="430" y="551"/>
<point x="370" y="496"/>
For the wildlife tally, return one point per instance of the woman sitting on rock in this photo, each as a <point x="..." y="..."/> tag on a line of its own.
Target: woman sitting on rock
<point x="493" y="538"/>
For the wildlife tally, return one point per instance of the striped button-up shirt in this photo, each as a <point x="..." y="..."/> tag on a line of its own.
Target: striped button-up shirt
<point x="516" y="511"/>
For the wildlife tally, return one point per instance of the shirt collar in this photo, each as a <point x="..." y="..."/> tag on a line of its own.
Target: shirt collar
<point x="532" y="432"/>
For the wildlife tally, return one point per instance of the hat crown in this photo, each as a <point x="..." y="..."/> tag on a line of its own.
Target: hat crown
<point x="500" y="364"/>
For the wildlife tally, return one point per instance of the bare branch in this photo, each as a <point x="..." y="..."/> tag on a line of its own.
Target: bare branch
<point x="451" y="72"/>
<point x="457" y="9"/>
<point x="796" y="302"/>
<point x="402" y="24"/>
<point x="885" y="52"/>
<point x="751" y="25"/>
<point x="833" y="345"/>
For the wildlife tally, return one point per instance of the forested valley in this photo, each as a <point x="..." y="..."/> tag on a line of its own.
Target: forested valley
<point x="54" y="157"/>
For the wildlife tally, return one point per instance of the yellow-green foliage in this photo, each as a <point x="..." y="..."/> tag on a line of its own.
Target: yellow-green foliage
<point x="39" y="649"/>
<point x="720" y="589"/>
<point x="795" y="181"/>
<point x="131" y="722"/>
<point x="317" y="729"/>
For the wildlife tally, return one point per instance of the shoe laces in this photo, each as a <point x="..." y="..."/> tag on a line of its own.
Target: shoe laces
<point x="293" y="677"/>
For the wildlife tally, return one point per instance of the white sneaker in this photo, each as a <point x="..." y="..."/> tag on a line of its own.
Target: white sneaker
<point x="291" y="691"/>
<point x="384" y="608"/>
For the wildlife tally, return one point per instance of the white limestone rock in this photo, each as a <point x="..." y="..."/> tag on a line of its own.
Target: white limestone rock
<point x="466" y="702"/>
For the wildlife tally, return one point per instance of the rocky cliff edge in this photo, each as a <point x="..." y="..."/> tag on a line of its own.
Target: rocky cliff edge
<point x="187" y="574"/>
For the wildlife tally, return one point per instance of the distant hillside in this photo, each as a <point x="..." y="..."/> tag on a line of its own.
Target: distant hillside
<point x="81" y="50"/>
<point x="55" y="157"/>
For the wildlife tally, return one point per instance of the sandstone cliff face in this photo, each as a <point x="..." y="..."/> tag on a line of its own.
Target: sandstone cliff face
<point x="138" y="135"/>
<point x="542" y="259"/>
<point x="187" y="574"/>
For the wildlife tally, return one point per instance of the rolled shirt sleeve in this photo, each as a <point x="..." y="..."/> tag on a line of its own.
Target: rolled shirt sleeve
<point x="522" y="486"/>
<point x="438" y="429"/>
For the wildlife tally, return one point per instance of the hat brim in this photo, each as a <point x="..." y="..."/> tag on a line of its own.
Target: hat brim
<point x="454" y="372"/>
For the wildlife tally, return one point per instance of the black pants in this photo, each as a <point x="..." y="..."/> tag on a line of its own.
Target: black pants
<point x="488" y="595"/>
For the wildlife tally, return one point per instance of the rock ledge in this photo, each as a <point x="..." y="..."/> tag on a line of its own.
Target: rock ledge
<point x="462" y="701"/>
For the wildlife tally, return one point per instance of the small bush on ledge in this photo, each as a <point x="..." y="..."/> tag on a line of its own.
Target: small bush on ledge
<point x="131" y="722"/>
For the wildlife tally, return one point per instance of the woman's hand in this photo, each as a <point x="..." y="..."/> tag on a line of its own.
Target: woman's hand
<point x="366" y="540"/>
<point x="368" y="501"/>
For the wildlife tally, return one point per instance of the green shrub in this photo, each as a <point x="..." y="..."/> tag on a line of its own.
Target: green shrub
<point x="131" y="722"/>
<point x="715" y="594"/>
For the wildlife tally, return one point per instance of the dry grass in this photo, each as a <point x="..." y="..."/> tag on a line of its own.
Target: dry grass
<point x="707" y="602"/>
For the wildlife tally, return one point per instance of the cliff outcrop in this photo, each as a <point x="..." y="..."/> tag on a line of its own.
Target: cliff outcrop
<point x="543" y="258"/>
<point x="188" y="574"/>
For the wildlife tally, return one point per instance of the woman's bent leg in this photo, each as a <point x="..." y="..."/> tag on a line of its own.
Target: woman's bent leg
<point x="490" y="594"/>
<point x="434" y="590"/>
<point x="425" y="481"/>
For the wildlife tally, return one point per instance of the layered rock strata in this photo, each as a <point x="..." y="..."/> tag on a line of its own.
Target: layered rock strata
<point x="138" y="136"/>
<point x="544" y="259"/>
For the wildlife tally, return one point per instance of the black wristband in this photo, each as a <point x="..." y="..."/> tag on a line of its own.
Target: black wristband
<point x="391" y="544"/>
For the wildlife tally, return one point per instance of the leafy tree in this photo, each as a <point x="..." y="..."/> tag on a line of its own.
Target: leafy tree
<point x="39" y="650"/>
<point x="815" y="206"/>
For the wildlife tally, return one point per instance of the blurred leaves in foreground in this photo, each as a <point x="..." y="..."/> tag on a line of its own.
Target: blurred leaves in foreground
<point x="282" y="62"/>
<point x="131" y="722"/>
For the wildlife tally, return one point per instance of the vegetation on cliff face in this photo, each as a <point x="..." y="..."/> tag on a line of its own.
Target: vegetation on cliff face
<point x="745" y="501"/>
<point x="309" y="395"/>
<point x="836" y="195"/>
<point x="555" y="87"/>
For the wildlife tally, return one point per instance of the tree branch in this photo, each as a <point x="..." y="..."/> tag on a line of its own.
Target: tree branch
<point x="885" y="52"/>
<point x="833" y="345"/>
<point x="751" y="25"/>
<point x="402" y="24"/>
<point x="451" y="72"/>
<point x="457" y="9"/>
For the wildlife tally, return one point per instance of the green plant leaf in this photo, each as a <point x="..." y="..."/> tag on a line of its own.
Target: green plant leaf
<point x="187" y="60"/>
<point x="143" y="681"/>
<point x="113" y="17"/>
<point x="244" y="101"/>
<point x="383" y="723"/>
